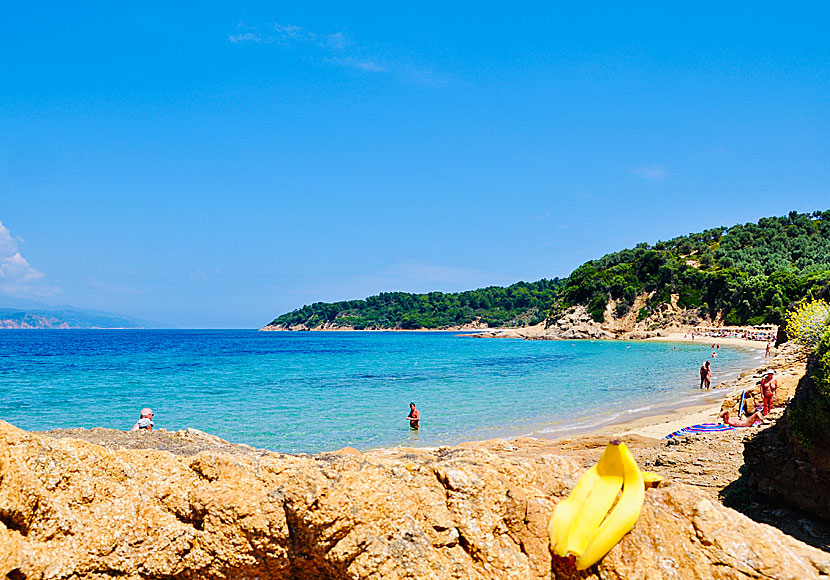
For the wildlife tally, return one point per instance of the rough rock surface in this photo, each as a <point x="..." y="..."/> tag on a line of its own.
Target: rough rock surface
<point x="74" y="509"/>
<point x="573" y="325"/>
<point x="577" y="323"/>
<point x="781" y="470"/>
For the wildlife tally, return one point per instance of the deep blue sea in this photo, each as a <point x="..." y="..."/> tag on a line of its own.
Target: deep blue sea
<point x="320" y="391"/>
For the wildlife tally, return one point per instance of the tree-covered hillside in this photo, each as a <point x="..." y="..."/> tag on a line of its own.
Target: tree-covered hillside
<point x="517" y="305"/>
<point x="745" y="274"/>
<point x="748" y="273"/>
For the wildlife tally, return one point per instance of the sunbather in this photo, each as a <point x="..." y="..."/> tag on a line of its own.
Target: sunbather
<point x="738" y="422"/>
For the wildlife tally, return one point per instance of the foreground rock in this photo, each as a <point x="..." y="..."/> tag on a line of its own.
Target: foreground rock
<point x="73" y="509"/>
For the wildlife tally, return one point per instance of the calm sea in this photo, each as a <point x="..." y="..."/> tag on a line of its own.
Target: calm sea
<point x="319" y="391"/>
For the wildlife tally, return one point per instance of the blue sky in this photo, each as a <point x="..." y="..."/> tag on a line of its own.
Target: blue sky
<point x="218" y="167"/>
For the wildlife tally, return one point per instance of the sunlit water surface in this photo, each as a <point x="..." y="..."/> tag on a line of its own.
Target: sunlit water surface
<point x="318" y="391"/>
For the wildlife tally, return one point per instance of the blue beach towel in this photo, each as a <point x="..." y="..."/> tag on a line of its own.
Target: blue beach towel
<point x="701" y="428"/>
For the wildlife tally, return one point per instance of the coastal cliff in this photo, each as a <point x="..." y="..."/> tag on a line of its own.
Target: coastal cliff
<point x="197" y="507"/>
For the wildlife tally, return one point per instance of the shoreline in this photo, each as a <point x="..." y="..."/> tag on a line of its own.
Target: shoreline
<point x="683" y="337"/>
<point x="724" y="394"/>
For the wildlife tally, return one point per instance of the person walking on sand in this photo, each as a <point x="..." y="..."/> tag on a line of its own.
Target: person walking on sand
<point x="769" y="386"/>
<point x="705" y="375"/>
<point x="145" y="421"/>
<point x="414" y="417"/>
<point x="766" y="354"/>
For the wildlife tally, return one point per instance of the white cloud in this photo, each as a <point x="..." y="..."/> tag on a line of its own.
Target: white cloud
<point x="245" y="37"/>
<point x="650" y="171"/>
<point x="334" y="48"/>
<point x="17" y="276"/>
<point x="367" y="65"/>
<point x="288" y="35"/>
<point x="203" y="275"/>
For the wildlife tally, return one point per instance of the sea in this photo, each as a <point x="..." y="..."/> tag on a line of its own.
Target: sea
<point x="311" y="392"/>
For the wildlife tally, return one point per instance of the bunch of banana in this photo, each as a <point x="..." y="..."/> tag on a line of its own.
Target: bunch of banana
<point x="582" y="524"/>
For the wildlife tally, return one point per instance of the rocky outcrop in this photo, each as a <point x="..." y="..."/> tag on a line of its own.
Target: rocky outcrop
<point x="74" y="509"/>
<point x="575" y="324"/>
<point x="572" y="325"/>
<point x="784" y="472"/>
<point x="625" y="323"/>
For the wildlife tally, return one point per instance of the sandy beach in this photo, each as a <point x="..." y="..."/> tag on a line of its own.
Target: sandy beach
<point x="686" y="337"/>
<point x="658" y="426"/>
<point x="789" y="370"/>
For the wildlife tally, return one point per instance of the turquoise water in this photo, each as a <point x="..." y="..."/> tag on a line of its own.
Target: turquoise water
<point x="318" y="391"/>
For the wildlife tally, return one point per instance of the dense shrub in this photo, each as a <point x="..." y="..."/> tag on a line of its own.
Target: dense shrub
<point x="807" y="322"/>
<point x="517" y="305"/>
<point x="809" y="414"/>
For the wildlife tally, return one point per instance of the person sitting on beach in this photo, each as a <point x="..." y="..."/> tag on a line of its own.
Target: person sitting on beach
<point x="414" y="417"/>
<point x="145" y="421"/>
<point x="705" y="375"/>
<point x="738" y="422"/>
<point x="769" y="386"/>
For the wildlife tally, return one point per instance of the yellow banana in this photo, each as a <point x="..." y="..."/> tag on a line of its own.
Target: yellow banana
<point x="567" y="509"/>
<point x="599" y="501"/>
<point x="622" y="518"/>
<point x="651" y="479"/>
<point x="567" y="516"/>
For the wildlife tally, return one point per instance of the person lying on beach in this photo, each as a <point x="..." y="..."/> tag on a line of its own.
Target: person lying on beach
<point x="414" y="417"/>
<point x="145" y="421"/>
<point x="738" y="422"/>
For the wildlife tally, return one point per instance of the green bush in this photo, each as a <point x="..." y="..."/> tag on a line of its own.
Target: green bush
<point x="596" y="307"/>
<point x="621" y="309"/>
<point x="689" y="297"/>
<point x="809" y="416"/>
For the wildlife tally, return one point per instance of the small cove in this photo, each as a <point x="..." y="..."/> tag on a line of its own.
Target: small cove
<point x="317" y="391"/>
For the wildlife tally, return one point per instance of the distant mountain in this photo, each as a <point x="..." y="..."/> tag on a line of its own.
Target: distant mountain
<point x="66" y="318"/>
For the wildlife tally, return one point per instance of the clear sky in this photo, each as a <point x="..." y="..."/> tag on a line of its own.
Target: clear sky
<point x="216" y="167"/>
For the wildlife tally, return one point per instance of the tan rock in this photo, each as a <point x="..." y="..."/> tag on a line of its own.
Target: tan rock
<point x="70" y="509"/>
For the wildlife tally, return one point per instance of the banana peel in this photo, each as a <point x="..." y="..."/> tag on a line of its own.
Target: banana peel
<point x="602" y="508"/>
<point x="652" y="479"/>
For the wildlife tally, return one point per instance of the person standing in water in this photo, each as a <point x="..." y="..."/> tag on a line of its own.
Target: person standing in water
<point x="705" y="375"/>
<point x="414" y="417"/>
